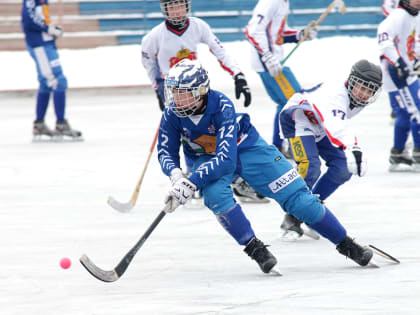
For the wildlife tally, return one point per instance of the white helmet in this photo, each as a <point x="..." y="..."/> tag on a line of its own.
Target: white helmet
<point x="185" y="85"/>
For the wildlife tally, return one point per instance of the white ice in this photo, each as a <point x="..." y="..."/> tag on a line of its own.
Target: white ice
<point x="53" y="205"/>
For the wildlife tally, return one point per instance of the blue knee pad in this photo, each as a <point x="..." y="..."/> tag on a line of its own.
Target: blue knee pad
<point x="305" y="206"/>
<point x="62" y="83"/>
<point x="218" y="195"/>
<point x="329" y="227"/>
<point x="234" y="221"/>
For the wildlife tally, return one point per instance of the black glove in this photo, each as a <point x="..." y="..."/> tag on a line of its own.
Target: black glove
<point x="160" y="93"/>
<point x="241" y="86"/>
<point x="416" y="66"/>
<point x="403" y="71"/>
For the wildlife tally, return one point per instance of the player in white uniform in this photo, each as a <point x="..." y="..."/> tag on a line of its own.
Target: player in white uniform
<point x="397" y="40"/>
<point x="317" y="126"/>
<point x="177" y="38"/>
<point x="267" y="31"/>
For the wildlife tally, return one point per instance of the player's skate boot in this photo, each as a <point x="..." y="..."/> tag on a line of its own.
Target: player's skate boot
<point x="285" y="150"/>
<point x="416" y="159"/>
<point x="63" y="129"/>
<point x="291" y="227"/>
<point x="246" y="193"/>
<point x="360" y="254"/>
<point x="400" y="161"/>
<point x="259" y="252"/>
<point x="40" y="129"/>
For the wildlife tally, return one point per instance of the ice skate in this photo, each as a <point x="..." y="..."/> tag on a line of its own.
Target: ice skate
<point x="400" y="161"/>
<point x="259" y="252"/>
<point x="286" y="151"/>
<point x="292" y="229"/>
<point x="64" y="131"/>
<point x="360" y="254"/>
<point x="41" y="132"/>
<point x="246" y="193"/>
<point x="416" y="160"/>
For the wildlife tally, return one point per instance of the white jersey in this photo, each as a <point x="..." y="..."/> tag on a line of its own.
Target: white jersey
<point x="163" y="47"/>
<point x="324" y="113"/>
<point x="266" y="30"/>
<point x="397" y="38"/>
<point x="388" y="6"/>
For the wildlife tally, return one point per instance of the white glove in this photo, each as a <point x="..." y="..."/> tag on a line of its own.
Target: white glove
<point x="355" y="163"/>
<point x="272" y="63"/>
<point x="311" y="30"/>
<point x="55" y="31"/>
<point x="182" y="191"/>
<point x="176" y="174"/>
<point x="170" y="204"/>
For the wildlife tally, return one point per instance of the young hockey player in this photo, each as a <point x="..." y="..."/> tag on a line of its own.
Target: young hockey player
<point x="40" y="37"/>
<point x="267" y="31"/>
<point x="221" y="142"/>
<point x="397" y="44"/>
<point x="177" y="38"/>
<point x="316" y="126"/>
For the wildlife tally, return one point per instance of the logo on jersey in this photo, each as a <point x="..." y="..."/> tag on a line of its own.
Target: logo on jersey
<point x="208" y="143"/>
<point x="211" y="129"/>
<point x="182" y="54"/>
<point x="410" y="46"/>
<point x="279" y="37"/>
<point x="283" y="181"/>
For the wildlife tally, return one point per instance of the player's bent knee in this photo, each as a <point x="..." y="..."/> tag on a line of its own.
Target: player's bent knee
<point x="305" y="206"/>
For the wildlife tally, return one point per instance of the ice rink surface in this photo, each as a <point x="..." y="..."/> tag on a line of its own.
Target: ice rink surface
<point x="53" y="205"/>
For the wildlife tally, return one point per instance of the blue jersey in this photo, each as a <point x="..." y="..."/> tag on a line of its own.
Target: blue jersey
<point x="219" y="132"/>
<point x="35" y="21"/>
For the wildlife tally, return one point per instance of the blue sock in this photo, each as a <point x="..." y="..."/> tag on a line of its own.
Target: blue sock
<point x="329" y="227"/>
<point x="42" y="101"/>
<point x="60" y="104"/>
<point x="235" y="222"/>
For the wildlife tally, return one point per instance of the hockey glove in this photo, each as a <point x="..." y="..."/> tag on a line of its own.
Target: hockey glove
<point x="307" y="33"/>
<point x="182" y="190"/>
<point x="176" y="174"/>
<point x="416" y="67"/>
<point x="272" y="64"/>
<point x="160" y="93"/>
<point x="55" y="31"/>
<point x="402" y="68"/>
<point x="241" y="87"/>
<point x="355" y="162"/>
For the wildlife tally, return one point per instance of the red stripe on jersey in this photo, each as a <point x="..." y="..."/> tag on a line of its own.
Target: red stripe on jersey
<point x="333" y="140"/>
<point x="253" y="41"/>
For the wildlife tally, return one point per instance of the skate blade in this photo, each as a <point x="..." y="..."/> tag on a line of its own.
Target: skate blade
<point x="402" y="168"/>
<point x="275" y="272"/>
<point x="383" y="255"/>
<point x="290" y="236"/>
<point x="373" y="263"/>
<point x="311" y="233"/>
<point x="64" y="138"/>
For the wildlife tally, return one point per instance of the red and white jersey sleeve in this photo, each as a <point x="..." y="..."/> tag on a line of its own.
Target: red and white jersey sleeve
<point x="396" y="38"/>
<point x="325" y="113"/>
<point x="163" y="47"/>
<point x="266" y="29"/>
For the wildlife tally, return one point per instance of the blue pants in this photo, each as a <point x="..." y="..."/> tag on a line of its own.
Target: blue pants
<point x="270" y="174"/>
<point x="51" y="79"/>
<point x="280" y="89"/>
<point x="405" y="104"/>
<point x="306" y="152"/>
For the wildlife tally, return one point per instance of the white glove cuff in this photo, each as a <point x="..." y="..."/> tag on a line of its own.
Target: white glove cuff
<point x="176" y="174"/>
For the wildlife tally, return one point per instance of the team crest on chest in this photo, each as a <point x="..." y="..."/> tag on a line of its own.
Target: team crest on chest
<point x="211" y="129"/>
<point x="182" y="54"/>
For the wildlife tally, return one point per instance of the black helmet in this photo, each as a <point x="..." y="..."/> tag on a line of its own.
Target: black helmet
<point x="406" y="5"/>
<point x="183" y="5"/>
<point x="364" y="76"/>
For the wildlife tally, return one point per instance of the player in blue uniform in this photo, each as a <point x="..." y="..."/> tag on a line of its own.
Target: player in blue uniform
<point x="40" y="36"/>
<point x="222" y="143"/>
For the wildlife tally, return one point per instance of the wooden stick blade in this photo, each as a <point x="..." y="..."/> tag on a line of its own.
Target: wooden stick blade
<point x="119" y="206"/>
<point x="98" y="273"/>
